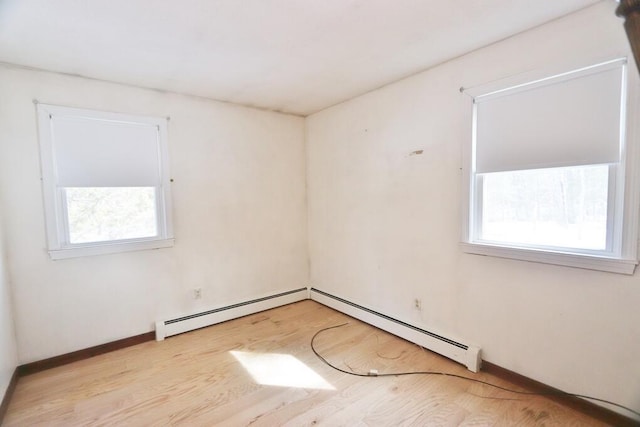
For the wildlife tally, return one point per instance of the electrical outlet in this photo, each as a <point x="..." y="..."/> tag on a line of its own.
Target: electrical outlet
<point x="417" y="304"/>
<point x="197" y="293"/>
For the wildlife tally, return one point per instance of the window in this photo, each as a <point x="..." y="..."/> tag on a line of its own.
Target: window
<point x="547" y="171"/>
<point x="105" y="181"/>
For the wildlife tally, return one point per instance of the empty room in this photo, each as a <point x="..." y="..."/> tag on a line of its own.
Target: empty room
<point x="339" y="212"/>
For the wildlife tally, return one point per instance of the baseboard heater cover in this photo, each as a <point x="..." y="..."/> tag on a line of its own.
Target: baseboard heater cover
<point x="179" y="325"/>
<point x="467" y="355"/>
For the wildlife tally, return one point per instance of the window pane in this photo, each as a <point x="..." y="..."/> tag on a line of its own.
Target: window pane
<point x="100" y="214"/>
<point x="560" y="207"/>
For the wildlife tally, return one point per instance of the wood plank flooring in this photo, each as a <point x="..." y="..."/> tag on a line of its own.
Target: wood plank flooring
<point x="197" y="379"/>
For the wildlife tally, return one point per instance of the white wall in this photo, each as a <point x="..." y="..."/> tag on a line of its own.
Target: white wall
<point x="8" y="349"/>
<point x="239" y="216"/>
<point x="384" y="226"/>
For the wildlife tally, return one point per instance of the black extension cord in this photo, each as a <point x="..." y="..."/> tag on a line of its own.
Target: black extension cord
<point x="462" y="377"/>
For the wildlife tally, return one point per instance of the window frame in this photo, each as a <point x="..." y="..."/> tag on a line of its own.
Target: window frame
<point x="622" y="226"/>
<point x="54" y="196"/>
<point x="612" y="239"/>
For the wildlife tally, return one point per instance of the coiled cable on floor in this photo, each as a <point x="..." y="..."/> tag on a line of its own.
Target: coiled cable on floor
<point x="462" y="377"/>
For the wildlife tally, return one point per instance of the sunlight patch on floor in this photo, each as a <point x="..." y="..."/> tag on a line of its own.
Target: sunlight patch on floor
<point x="280" y="370"/>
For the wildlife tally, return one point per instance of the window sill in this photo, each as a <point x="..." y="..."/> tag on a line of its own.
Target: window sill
<point x="590" y="262"/>
<point x="109" y="248"/>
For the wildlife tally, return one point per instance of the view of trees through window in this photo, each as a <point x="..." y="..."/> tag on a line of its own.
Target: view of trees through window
<point x="561" y="207"/>
<point x="101" y="214"/>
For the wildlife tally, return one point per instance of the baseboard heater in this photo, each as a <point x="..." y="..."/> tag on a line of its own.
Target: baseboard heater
<point x="467" y="355"/>
<point x="178" y="325"/>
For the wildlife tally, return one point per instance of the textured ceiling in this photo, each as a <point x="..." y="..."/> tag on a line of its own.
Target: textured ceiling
<point x="295" y="56"/>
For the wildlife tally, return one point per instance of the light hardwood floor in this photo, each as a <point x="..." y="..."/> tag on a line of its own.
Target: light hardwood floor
<point x="196" y="379"/>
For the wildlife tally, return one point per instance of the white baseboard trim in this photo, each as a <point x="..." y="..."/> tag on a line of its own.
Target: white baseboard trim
<point x="467" y="355"/>
<point x="178" y="325"/>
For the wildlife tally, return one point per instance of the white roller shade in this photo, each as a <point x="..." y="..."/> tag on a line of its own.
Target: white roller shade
<point x="92" y="152"/>
<point x="566" y="121"/>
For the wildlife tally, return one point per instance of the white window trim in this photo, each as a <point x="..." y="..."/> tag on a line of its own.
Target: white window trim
<point x="589" y="262"/>
<point x="110" y="248"/>
<point x="53" y="206"/>
<point x="627" y="215"/>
